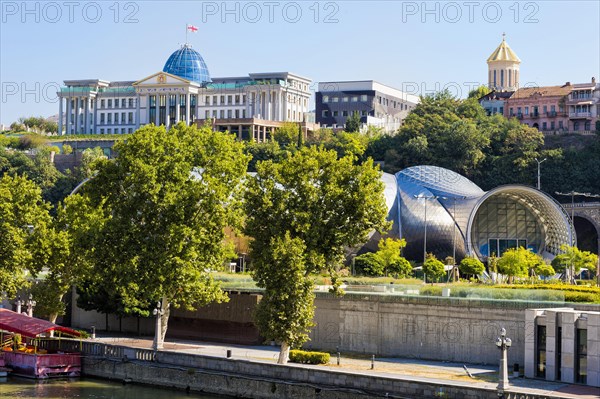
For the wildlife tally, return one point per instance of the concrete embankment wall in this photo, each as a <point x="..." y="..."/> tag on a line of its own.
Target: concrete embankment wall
<point x="436" y="328"/>
<point x="448" y="329"/>
<point x="251" y="379"/>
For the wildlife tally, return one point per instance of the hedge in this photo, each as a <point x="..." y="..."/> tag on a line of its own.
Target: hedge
<point x="305" y="357"/>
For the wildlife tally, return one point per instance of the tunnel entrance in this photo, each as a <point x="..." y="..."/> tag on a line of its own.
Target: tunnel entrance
<point x="587" y="235"/>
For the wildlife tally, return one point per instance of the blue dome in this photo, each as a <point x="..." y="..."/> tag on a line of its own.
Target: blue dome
<point x="187" y="63"/>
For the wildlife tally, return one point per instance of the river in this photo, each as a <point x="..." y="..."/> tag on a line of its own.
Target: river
<point x="86" y="388"/>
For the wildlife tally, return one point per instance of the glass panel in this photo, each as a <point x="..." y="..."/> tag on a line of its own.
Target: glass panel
<point x="541" y="352"/>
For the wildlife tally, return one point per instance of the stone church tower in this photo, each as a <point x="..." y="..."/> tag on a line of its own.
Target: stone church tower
<point x="503" y="68"/>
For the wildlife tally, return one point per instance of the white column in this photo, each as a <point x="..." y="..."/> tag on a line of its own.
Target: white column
<point x="268" y="114"/>
<point x="157" y="108"/>
<point x="177" y="109"/>
<point x="68" y="116"/>
<point x="167" y="106"/>
<point x="86" y="106"/>
<point x="187" y="108"/>
<point x="77" y="116"/>
<point x="137" y="111"/>
<point x="95" y="123"/>
<point x="60" y="115"/>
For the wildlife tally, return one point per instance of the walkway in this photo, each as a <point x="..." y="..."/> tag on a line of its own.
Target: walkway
<point x="418" y="370"/>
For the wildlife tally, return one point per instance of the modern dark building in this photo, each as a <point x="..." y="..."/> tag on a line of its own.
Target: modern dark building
<point x="377" y="104"/>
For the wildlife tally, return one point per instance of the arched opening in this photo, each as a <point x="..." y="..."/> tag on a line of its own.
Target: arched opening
<point x="587" y="234"/>
<point x="537" y="126"/>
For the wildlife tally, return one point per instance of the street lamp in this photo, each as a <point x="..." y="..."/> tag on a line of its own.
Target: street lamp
<point x="158" y="312"/>
<point x="426" y="198"/>
<point x="503" y="343"/>
<point x="30" y="305"/>
<point x="19" y="303"/>
<point x="538" y="174"/>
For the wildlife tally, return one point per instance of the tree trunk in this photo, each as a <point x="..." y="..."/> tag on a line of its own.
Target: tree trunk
<point x="164" y="319"/>
<point x="284" y="353"/>
<point x="53" y="318"/>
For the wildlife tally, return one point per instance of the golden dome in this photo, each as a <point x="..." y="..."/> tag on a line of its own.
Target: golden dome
<point x="503" y="53"/>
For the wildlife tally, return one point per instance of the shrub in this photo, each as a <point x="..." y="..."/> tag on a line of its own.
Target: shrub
<point x="67" y="149"/>
<point x="433" y="268"/>
<point x="471" y="266"/>
<point x="368" y="264"/>
<point x="401" y="268"/>
<point x="305" y="357"/>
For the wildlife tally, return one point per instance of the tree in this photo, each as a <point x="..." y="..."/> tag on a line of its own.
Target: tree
<point x="24" y="219"/>
<point x="327" y="203"/>
<point x="353" y="123"/>
<point x="389" y="252"/>
<point x="166" y="200"/>
<point x="401" y="268"/>
<point x="67" y="149"/>
<point x="433" y="268"/>
<point x="573" y="257"/>
<point x="516" y="262"/>
<point x="544" y="270"/>
<point x="479" y="92"/>
<point x="286" y="310"/>
<point x="471" y="266"/>
<point x="287" y="135"/>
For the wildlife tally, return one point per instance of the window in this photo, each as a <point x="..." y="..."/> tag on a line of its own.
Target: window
<point x="243" y="113"/>
<point x="237" y="99"/>
<point x="335" y="99"/>
<point x="325" y="99"/>
<point x="109" y="118"/>
<point x="206" y="114"/>
<point x="552" y="108"/>
<point x="131" y="103"/>
<point x="244" y="99"/>
<point x="519" y="111"/>
<point x="552" y="125"/>
<point x="108" y="131"/>
<point x="130" y="117"/>
<point x="540" y="343"/>
<point x="587" y="126"/>
<point x="123" y="118"/>
<point x="363" y="97"/>
<point x="214" y="100"/>
<point x="102" y="103"/>
<point x="102" y="118"/>
<point x="229" y="98"/>
<point x="222" y="100"/>
<point x="581" y="356"/>
<point x="110" y="103"/>
<point x="122" y="130"/>
<point x="544" y="126"/>
<point x="576" y="125"/>
<point x="229" y="113"/>
<point x="344" y="99"/>
<point x="214" y="114"/>
<point x="207" y="100"/>
<point x="130" y="130"/>
<point x="510" y="111"/>
<point x="123" y="103"/>
<point x="101" y="131"/>
<point x="325" y="113"/>
<point x="545" y="109"/>
<point x="560" y="124"/>
<point x="354" y="99"/>
<point x="344" y="113"/>
<point x="363" y="113"/>
<point x="237" y="114"/>
<point x="222" y="114"/>
<point x="526" y="110"/>
<point x="116" y="118"/>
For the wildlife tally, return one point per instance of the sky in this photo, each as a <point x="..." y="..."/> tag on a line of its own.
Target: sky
<point x="415" y="46"/>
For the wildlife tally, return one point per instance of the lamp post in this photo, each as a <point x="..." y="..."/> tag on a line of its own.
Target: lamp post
<point x="538" y="172"/>
<point x="158" y="312"/>
<point x="454" y="232"/>
<point x="19" y="303"/>
<point x="503" y="343"/>
<point x="30" y="305"/>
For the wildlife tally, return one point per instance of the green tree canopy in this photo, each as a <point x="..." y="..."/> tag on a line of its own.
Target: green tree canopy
<point x="389" y="253"/>
<point x="433" y="268"/>
<point x="166" y="200"/>
<point x="516" y="262"/>
<point x="326" y="203"/>
<point x="471" y="266"/>
<point x="353" y="123"/>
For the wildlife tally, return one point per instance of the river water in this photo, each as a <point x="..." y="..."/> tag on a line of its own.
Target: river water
<point x="85" y="388"/>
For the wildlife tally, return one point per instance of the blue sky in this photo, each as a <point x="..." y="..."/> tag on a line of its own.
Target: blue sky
<point x="416" y="46"/>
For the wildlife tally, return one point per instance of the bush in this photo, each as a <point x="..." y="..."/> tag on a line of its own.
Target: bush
<point x="305" y="357"/>
<point x="401" y="267"/>
<point x="471" y="266"/>
<point x="67" y="149"/>
<point x="368" y="264"/>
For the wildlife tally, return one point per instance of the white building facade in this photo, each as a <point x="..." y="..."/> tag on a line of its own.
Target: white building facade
<point x="183" y="91"/>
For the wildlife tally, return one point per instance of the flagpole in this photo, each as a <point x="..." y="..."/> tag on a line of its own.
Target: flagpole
<point x="186" y="33"/>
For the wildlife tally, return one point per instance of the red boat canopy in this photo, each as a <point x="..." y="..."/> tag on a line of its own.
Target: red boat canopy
<point x="29" y="326"/>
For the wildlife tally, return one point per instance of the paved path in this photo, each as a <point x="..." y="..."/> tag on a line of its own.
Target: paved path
<point x="414" y="369"/>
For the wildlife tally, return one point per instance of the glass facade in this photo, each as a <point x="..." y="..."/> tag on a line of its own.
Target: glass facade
<point x="540" y="340"/>
<point x="463" y="219"/>
<point x="581" y="356"/>
<point x="188" y="64"/>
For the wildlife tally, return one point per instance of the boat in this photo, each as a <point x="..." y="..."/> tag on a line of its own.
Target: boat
<point x="20" y="351"/>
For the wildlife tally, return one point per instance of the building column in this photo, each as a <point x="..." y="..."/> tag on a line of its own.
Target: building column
<point x="567" y="370"/>
<point x="593" y="356"/>
<point x="240" y="132"/>
<point x="157" y="108"/>
<point x="68" y="116"/>
<point x="551" y="330"/>
<point x="529" y="344"/>
<point x="137" y="111"/>
<point x="177" y="108"/>
<point x="187" y="108"/>
<point x="167" y="109"/>
<point x="268" y="105"/>
<point x="86" y="106"/>
<point x="60" y="115"/>
<point x="78" y="101"/>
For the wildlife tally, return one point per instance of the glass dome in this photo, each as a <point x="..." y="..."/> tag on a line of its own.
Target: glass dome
<point x="187" y="63"/>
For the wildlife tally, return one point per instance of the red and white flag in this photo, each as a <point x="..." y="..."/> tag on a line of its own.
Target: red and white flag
<point x="192" y="28"/>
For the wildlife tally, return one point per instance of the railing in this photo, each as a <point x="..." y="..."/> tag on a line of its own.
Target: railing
<point x="551" y="114"/>
<point x="535" y="115"/>
<point x="582" y="205"/>
<point x="580" y="114"/>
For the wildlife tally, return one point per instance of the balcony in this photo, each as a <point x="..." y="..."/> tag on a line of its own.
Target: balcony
<point x="535" y="115"/>
<point x="520" y="115"/>
<point x="551" y="114"/>
<point x="580" y="114"/>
